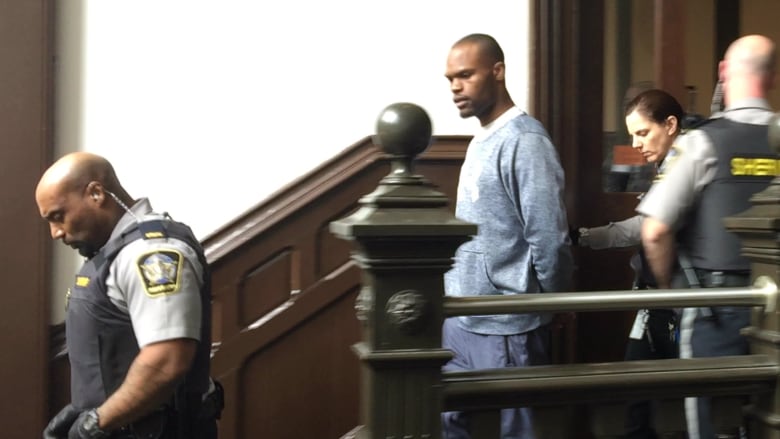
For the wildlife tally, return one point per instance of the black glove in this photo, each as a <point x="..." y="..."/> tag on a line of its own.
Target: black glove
<point x="60" y="424"/>
<point x="86" y="427"/>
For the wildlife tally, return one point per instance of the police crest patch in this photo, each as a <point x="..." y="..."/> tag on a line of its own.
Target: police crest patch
<point x="160" y="272"/>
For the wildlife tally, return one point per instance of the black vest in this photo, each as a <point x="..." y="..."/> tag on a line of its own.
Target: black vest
<point x="100" y="339"/>
<point x="745" y="166"/>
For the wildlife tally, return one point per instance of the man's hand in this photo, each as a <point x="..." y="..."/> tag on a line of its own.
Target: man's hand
<point x="60" y="424"/>
<point x="87" y="427"/>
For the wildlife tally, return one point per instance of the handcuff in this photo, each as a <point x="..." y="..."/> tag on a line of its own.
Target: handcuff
<point x="584" y="237"/>
<point x="91" y="426"/>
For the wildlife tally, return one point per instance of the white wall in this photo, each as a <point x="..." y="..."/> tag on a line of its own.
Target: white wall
<point x="174" y="91"/>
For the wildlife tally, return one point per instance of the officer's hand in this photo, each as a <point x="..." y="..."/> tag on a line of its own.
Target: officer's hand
<point x="86" y="427"/>
<point x="60" y="424"/>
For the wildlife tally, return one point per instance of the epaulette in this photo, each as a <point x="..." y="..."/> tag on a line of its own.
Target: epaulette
<point x="152" y="229"/>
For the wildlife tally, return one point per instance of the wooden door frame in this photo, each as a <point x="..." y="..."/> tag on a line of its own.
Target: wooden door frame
<point x="567" y="73"/>
<point x="26" y="48"/>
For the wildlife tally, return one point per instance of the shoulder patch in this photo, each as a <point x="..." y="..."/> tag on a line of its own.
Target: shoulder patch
<point x="160" y="271"/>
<point x="674" y="152"/>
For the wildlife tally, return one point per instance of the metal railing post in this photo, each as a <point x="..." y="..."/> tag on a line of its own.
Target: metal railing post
<point x="405" y="237"/>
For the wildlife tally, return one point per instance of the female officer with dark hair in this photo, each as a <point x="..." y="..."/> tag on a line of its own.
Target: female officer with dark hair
<point x="653" y="119"/>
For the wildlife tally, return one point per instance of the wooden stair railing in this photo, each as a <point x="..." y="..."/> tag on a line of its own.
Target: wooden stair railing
<point x="284" y="293"/>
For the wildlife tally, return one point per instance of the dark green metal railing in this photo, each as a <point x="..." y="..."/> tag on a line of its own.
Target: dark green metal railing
<point x="405" y="237"/>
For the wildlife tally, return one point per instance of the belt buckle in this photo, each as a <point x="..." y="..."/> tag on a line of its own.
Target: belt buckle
<point x="717" y="279"/>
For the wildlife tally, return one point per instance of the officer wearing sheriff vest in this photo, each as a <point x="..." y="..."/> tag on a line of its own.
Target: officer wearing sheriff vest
<point x="719" y="166"/>
<point x="138" y="314"/>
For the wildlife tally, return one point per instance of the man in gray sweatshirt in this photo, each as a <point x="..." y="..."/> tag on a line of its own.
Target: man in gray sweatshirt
<point x="511" y="186"/>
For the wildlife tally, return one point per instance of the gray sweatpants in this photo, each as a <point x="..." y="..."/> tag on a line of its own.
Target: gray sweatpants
<point x="480" y="351"/>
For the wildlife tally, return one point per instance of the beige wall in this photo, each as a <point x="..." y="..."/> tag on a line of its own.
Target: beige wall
<point x="757" y="16"/>
<point x="701" y="63"/>
<point x="763" y="17"/>
<point x="641" y="41"/>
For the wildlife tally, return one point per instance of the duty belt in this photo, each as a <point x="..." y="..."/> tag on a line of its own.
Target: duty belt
<point x="717" y="279"/>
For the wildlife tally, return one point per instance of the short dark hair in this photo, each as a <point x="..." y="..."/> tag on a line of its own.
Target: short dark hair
<point x="656" y="105"/>
<point x="488" y="46"/>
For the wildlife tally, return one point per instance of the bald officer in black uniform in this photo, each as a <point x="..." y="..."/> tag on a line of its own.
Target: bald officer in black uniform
<point x="720" y="165"/>
<point x="138" y="315"/>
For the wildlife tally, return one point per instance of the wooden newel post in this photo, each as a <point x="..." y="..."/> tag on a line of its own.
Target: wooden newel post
<point x="405" y="237"/>
<point x="759" y="230"/>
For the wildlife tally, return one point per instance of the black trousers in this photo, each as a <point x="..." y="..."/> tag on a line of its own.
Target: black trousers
<point x="165" y="428"/>
<point x="662" y="344"/>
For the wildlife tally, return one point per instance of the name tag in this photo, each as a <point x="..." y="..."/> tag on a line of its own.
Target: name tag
<point x="759" y="167"/>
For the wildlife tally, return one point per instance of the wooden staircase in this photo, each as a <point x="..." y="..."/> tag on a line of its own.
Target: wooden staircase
<point x="284" y="291"/>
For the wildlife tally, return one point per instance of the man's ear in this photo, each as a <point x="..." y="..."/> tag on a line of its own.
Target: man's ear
<point x="499" y="70"/>
<point x="95" y="191"/>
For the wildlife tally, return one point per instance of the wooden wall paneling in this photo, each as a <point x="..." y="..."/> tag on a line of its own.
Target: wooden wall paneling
<point x="217" y="312"/>
<point x="228" y="306"/>
<point x="286" y="383"/>
<point x="26" y="51"/>
<point x="332" y="252"/>
<point x="265" y="287"/>
<point x="293" y="331"/>
<point x="234" y="410"/>
<point x="225" y="311"/>
<point x="305" y="257"/>
<point x="293" y="339"/>
<point x="270" y="284"/>
<point x="444" y="176"/>
<point x="262" y="276"/>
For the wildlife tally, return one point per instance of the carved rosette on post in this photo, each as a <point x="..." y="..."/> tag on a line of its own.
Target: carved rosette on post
<point x="407" y="310"/>
<point x="759" y="230"/>
<point x="405" y="237"/>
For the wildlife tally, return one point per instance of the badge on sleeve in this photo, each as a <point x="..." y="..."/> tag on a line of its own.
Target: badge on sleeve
<point x="160" y="271"/>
